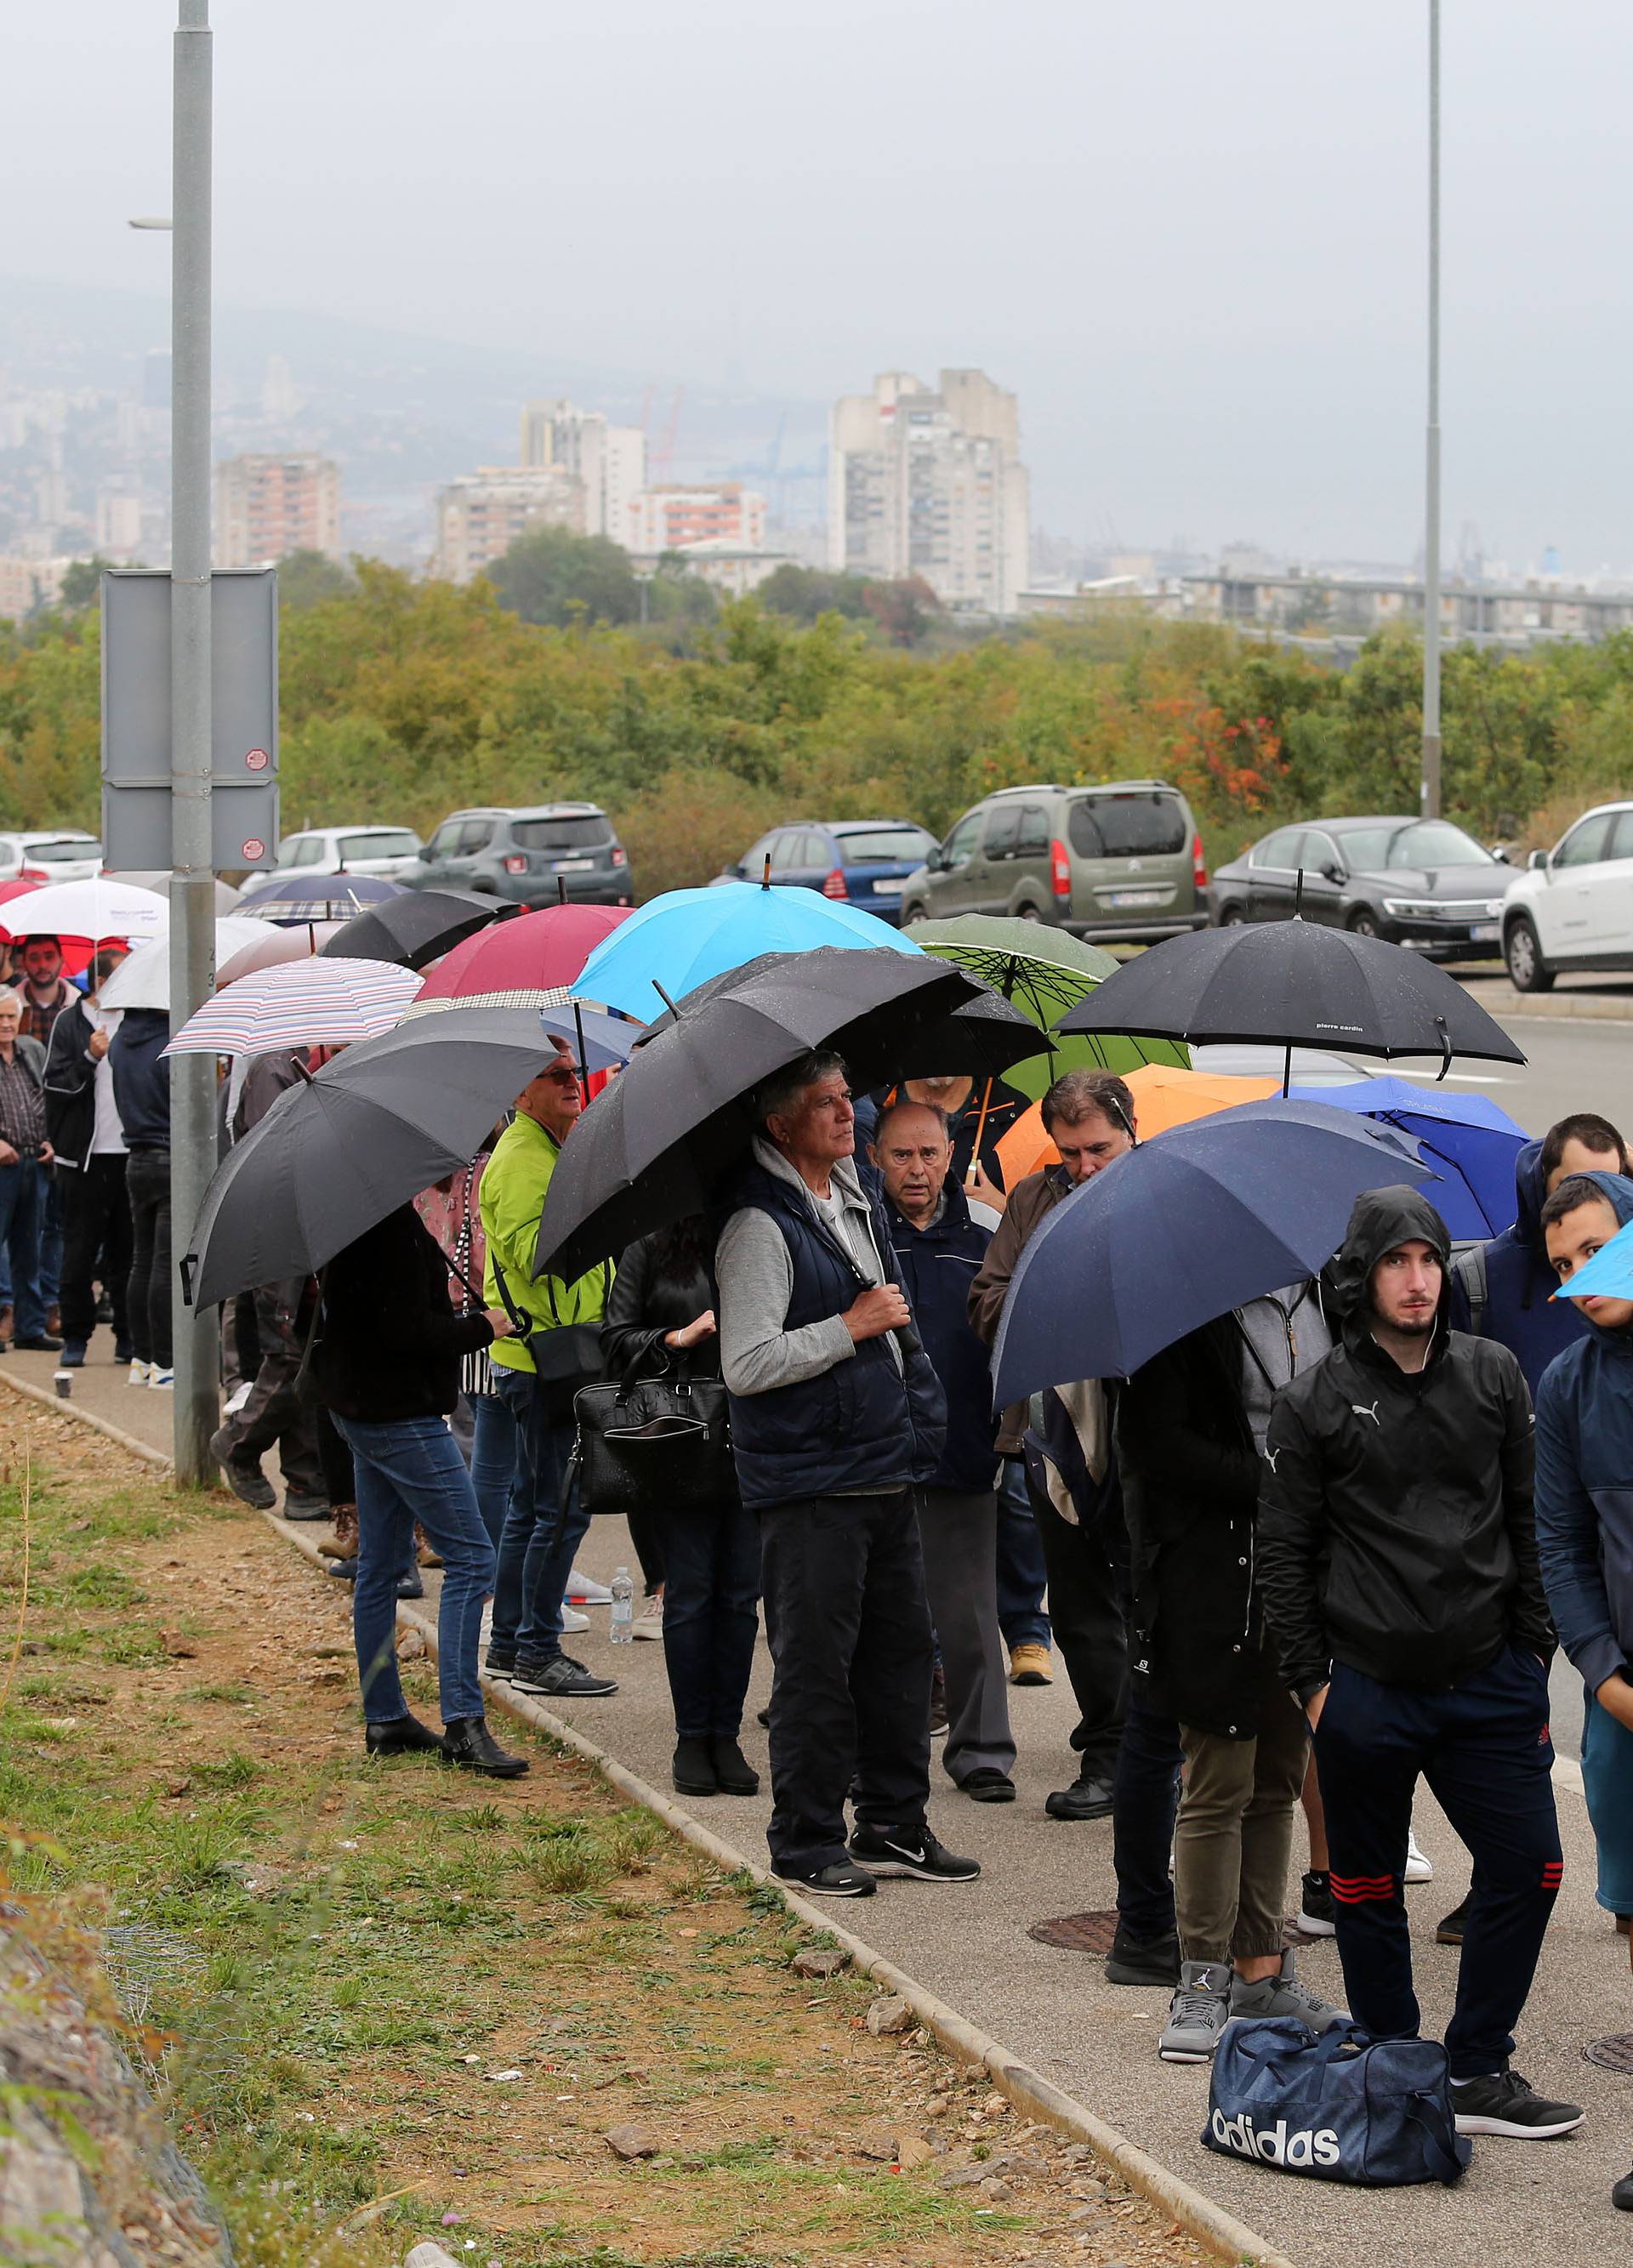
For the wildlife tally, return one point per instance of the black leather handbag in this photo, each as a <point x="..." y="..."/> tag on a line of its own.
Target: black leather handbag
<point x="653" y="1444"/>
<point x="565" y="1357"/>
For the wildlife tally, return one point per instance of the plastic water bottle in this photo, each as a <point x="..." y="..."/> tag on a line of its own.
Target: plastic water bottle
<point x="623" y="1630"/>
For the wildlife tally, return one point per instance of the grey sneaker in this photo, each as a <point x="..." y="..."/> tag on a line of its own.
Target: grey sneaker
<point x="1198" y="2014"/>
<point x="1284" y="1996"/>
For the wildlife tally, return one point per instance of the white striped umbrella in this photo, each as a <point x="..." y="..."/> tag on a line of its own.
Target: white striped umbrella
<point x="300" y="1003"/>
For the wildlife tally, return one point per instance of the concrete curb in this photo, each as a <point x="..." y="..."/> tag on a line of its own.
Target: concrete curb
<point x="1573" y="1008"/>
<point x="1230" y="2239"/>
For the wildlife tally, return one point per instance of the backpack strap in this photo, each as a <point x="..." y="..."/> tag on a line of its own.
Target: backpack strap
<point x="1469" y="1268"/>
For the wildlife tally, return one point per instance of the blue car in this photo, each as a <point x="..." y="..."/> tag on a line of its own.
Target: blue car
<point x="863" y="861"/>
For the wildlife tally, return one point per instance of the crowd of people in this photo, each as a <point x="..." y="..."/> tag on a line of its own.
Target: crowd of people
<point x="1296" y="1564"/>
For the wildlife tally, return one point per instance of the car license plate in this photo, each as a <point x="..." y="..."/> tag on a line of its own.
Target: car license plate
<point x="570" y="866"/>
<point x="1137" y="897"/>
<point x="891" y="889"/>
<point x="1484" y="932"/>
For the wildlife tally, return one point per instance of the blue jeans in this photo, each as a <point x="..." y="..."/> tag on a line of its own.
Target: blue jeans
<point x="1021" y="1577"/>
<point x="711" y="1587"/>
<point x="406" y="1470"/>
<point x="20" y="1233"/>
<point x="495" y="1460"/>
<point x="535" y="1549"/>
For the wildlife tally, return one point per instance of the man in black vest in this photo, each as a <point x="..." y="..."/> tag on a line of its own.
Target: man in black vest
<point x="836" y="1416"/>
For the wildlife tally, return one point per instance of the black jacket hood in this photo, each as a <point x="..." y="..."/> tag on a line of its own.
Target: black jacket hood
<point x="1381" y="1219"/>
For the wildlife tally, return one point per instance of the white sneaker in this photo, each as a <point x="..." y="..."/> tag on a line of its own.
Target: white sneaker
<point x="585" y="1591"/>
<point x="572" y="1620"/>
<point x="141" y="1375"/>
<point x="649" y="1622"/>
<point x="1418" y="1868"/>
<point x="235" y="1401"/>
<point x="165" y="1380"/>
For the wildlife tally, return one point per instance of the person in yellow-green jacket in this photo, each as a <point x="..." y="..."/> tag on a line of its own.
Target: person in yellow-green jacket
<point x="536" y="1547"/>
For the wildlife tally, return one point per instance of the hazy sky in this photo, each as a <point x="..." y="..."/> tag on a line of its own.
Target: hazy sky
<point x="1190" y="235"/>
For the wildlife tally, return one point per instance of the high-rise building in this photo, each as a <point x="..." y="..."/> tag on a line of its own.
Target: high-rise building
<point x="481" y="514"/>
<point x="928" y="481"/>
<point x="610" y="460"/>
<point x="670" y="518"/>
<point x="119" y="519"/>
<point x="268" y="506"/>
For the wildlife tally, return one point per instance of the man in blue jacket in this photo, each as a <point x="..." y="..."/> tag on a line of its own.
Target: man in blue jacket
<point x="940" y="1244"/>
<point x="1585" y="1522"/>
<point x="836" y="1419"/>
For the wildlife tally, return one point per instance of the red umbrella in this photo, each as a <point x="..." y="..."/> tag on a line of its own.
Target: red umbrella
<point x="535" y="953"/>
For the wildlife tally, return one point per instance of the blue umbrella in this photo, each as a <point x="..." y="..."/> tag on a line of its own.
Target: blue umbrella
<point x="1609" y="1275"/>
<point x="684" y="938"/>
<point x="596" y="1041"/>
<point x="1471" y="1142"/>
<point x="297" y="897"/>
<point x="1183" y="1229"/>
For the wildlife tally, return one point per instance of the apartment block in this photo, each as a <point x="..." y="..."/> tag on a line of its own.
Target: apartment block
<point x="609" y="460"/>
<point x="268" y="506"/>
<point x="481" y="514"/>
<point x="675" y="516"/>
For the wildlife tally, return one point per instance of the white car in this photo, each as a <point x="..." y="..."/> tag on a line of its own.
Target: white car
<point x="64" y="855"/>
<point x="1573" y="906"/>
<point x="387" y="850"/>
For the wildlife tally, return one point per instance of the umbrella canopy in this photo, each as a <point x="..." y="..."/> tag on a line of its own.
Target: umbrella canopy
<point x="143" y="980"/>
<point x="685" y="937"/>
<point x="1184" y="1229"/>
<point x="532" y="961"/>
<point x="595" y="1040"/>
<point x="1164" y="1097"/>
<point x="16" y="888"/>
<point x="297" y="897"/>
<point x="1609" y="1275"/>
<point x="158" y="879"/>
<point x="334" y="1155"/>
<point x="88" y="913"/>
<point x="1297" y="984"/>
<point x="300" y="1003"/>
<point x="665" y="1134"/>
<point x="273" y="944"/>
<point x="1469" y="1140"/>
<point x="415" y="926"/>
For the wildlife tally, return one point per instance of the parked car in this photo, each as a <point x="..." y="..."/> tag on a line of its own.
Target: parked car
<point x="1418" y="882"/>
<point x="1122" y="861"/>
<point x="1573" y="906"/>
<point x="360" y="850"/>
<point x="529" y="855"/>
<point x="864" y="861"/>
<point x="64" y="855"/>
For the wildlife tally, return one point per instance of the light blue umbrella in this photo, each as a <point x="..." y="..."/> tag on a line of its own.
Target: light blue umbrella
<point x="684" y="938"/>
<point x="1470" y="1141"/>
<point x="1609" y="1275"/>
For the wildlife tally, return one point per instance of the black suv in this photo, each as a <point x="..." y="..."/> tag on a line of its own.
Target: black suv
<point x="529" y="855"/>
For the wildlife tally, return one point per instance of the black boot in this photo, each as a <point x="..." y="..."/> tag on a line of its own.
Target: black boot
<point x="693" y="1769"/>
<point x="467" y="1741"/>
<point x="733" y="1771"/>
<point x="401" y="1736"/>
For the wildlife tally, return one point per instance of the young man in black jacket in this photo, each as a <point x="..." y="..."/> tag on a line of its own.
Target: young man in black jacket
<point x="1398" y="1564"/>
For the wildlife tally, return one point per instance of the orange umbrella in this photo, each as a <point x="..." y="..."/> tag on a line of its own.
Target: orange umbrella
<point x="1163" y="1096"/>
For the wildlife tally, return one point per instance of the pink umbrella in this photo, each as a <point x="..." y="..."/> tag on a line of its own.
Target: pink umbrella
<point x="531" y="961"/>
<point x="310" y="1003"/>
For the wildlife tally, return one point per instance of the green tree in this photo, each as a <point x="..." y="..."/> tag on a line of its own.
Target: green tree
<point x="550" y="575"/>
<point x="805" y="593"/>
<point x="82" y="584"/>
<point x="903" y="609"/>
<point x="306" y="578"/>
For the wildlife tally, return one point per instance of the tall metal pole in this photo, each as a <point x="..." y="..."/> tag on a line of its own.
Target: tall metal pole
<point x="1431" y="796"/>
<point x="192" y="888"/>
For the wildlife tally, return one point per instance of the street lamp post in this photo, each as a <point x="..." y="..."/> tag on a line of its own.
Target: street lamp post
<point x="1430" y="793"/>
<point x="192" y="893"/>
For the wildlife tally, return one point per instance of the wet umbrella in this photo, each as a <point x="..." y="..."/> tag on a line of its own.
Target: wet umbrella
<point x="143" y="979"/>
<point x="418" y="927"/>
<point x="310" y="1003"/>
<point x="1183" y="1229"/>
<point x="530" y="962"/>
<point x="1470" y="1141"/>
<point x="663" y="1138"/>
<point x="1298" y="984"/>
<point x="297" y="897"/>
<point x="374" y="1126"/>
<point x="274" y="944"/>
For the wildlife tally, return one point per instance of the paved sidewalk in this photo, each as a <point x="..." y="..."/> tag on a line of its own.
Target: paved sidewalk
<point x="1545" y="2202"/>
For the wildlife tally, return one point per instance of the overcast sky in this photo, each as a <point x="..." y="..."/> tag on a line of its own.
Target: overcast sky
<point x="1191" y="236"/>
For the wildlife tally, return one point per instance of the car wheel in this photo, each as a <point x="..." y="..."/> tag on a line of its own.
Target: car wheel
<point x="914" y="913"/>
<point x="1522" y="950"/>
<point x="1231" y="917"/>
<point x="1028" y="913"/>
<point x="1362" y="923"/>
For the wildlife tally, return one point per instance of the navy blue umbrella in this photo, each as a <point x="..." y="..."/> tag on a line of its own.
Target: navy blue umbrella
<point x="1187" y="1227"/>
<point x="1470" y="1141"/>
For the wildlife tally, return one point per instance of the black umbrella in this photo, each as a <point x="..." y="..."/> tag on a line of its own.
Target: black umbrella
<point x="1295" y="983"/>
<point x="421" y="925"/>
<point x="661" y="1140"/>
<point x="377" y="1125"/>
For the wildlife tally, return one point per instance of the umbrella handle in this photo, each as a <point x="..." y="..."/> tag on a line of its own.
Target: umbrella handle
<point x="1446" y="1049"/>
<point x="189" y="1266"/>
<point x="980" y="1128"/>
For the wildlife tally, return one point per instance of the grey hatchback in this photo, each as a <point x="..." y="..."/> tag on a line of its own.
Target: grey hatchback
<point x="534" y="856"/>
<point x="1121" y="861"/>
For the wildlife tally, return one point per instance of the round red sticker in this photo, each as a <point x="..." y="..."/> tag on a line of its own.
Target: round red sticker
<point x="257" y="761"/>
<point x="254" y="848"/>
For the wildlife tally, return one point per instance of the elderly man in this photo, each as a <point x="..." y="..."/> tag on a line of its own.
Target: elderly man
<point x="940" y="1239"/>
<point x="836" y="1417"/>
<point x="23" y="1150"/>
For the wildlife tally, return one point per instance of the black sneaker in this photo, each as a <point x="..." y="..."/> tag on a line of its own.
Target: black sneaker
<point x="500" y="1662"/>
<point x="298" y="1506"/>
<point x="243" y="1475"/>
<point x="1143" y="1960"/>
<point x="1621" y="2194"/>
<point x="562" y="1677"/>
<point x="1505" y="2104"/>
<point x="1317" y="1915"/>
<point x="1450" y="1932"/>
<point x="840" y="1881"/>
<point x="914" y="1852"/>
<point x="467" y="1742"/>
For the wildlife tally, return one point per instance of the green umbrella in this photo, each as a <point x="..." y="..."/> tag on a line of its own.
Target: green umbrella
<point x="1043" y="971"/>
